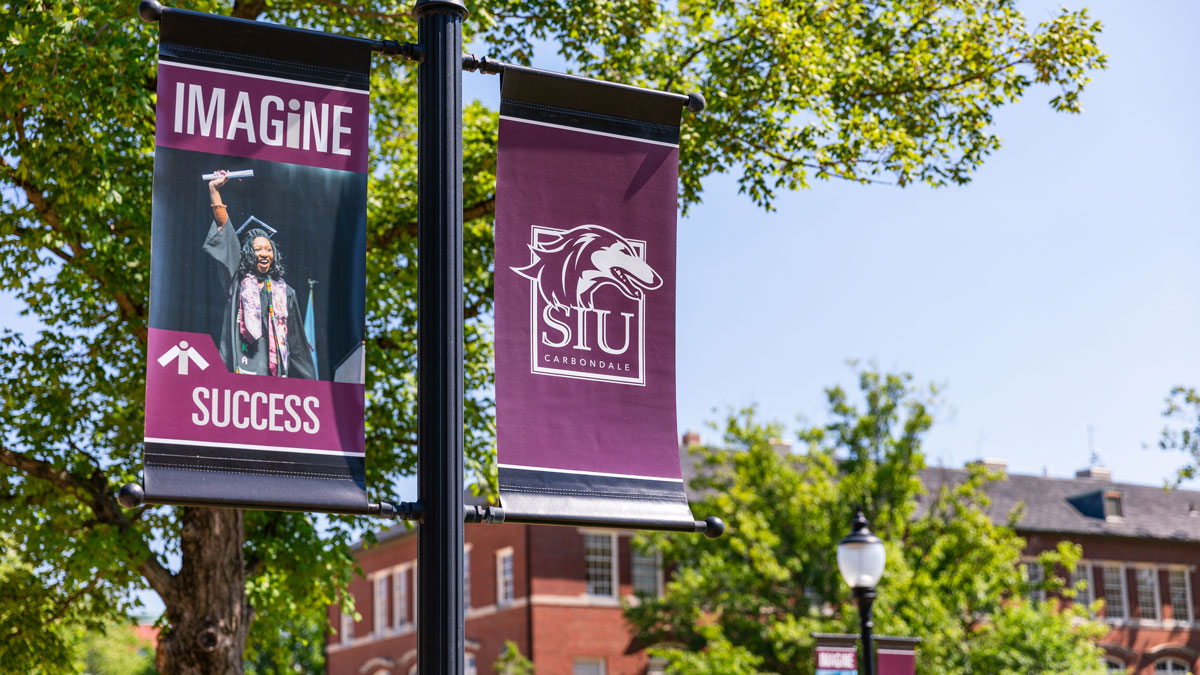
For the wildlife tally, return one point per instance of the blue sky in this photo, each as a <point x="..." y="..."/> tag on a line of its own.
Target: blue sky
<point x="1058" y="290"/>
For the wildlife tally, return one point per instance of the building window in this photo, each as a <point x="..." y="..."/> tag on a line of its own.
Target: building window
<point x="1147" y="593"/>
<point x="400" y="598"/>
<point x="347" y="630"/>
<point x="600" y="556"/>
<point x="1035" y="574"/>
<point x="381" y="605"/>
<point x="1081" y="582"/>
<point x="647" y="573"/>
<point x="1170" y="667"/>
<point x="1112" y="505"/>
<point x="466" y="578"/>
<point x="504" y="577"/>
<point x="469" y="665"/>
<point x="1181" y="594"/>
<point x="1113" y="665"/>
<point x="588" y="667"/>
<point x="1114" y="592"/>
<point x="657" y="666"/>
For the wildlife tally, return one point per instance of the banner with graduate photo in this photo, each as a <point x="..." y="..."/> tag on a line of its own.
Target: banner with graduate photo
<point x="586" y="198"/>
<point x="255" y="368"/>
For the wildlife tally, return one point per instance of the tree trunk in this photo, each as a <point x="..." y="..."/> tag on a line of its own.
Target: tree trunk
<point x="209" y="618"/>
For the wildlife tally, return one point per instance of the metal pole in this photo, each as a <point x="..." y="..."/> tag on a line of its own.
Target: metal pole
<point x="866" y="599"/>
<point x="440" y="638"/>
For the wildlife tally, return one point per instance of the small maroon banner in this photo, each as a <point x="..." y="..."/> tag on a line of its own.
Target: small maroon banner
<point x="896" y="655"/>
<point x="587" y="184"/>
<point x="254" y="372"/>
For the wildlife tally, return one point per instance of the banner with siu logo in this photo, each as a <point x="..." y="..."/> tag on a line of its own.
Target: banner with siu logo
<point x="254" y="375"/>
<point x="586" y="198"/>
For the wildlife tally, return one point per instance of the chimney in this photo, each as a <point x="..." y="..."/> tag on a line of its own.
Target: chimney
<point x="1095" y="473"/>
<point x="691" y="439"/>
<point x="992" y="464"/>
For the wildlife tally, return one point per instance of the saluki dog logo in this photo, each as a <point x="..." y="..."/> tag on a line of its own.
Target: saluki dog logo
<point x="588" y="290"/>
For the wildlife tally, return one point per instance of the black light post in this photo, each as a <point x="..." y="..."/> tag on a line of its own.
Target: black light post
<point x="440" y="639"/>
<point x="861" y="558"/>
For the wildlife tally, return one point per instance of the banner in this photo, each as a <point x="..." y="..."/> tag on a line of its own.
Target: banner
<point x="896" y="655"/>
<point x="254" y="376"/>
<point x="836" y="654"/>
<point x="586" y="194"/>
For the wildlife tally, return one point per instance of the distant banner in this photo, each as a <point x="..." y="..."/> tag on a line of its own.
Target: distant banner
<point x="254" y="376"/>
<point x="586" y="196"/>
<point x="836" y="654"/>
<point x="896" y="655"/>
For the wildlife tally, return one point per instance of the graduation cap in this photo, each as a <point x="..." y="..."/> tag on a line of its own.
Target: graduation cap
<point x="271" y="232"/>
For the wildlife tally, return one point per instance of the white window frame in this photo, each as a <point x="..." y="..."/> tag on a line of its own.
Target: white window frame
<point x="1125" y="605"/>
<point x="589" y="661"/>
<point x="1187" y="590"/>
<point x="1151" y="572"/>
<point x="470" y="664"/>
<point x="1035" y="574"/>
<point x="1172" y="669"/>
<point x="1114" y="665"/>
<point x="347" y="628"/>
<point x="1083" y="568"/>
<point x="656" y="558"/>
<point x="506" y="584"/>
<point x="466" y="577"/>
<point x="613" y="559"/>
<point x="379" y="600"/>
<point x="401" y="616"/>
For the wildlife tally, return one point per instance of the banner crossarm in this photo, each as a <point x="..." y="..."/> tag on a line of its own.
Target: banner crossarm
<point x="132" y="496"/>
<point x="712" y="526"/>
<point x="694" y="102"/>
<point x="152" y="11"/>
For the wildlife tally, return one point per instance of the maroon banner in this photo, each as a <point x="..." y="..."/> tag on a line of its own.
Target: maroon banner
<point x="254" y="372"/>
<point x="587" y="183"/>
<point x="896" y="655"/>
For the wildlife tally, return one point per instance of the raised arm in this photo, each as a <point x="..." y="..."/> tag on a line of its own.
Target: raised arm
<point x="221" y="243"/>
<point x="220" y="214"/>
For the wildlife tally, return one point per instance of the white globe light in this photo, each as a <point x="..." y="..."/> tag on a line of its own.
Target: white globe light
<point x="861" y="556"/>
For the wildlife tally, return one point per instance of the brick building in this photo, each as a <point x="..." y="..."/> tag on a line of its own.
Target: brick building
<point x="1141" y="551"/>
<point x="556" y="591"/>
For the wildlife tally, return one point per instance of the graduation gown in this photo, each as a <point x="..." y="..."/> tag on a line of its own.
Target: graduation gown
<point x="240" y="355"/>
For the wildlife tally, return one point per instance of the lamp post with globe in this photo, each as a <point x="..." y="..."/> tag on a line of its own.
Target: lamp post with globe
<point x="860" y="558"/>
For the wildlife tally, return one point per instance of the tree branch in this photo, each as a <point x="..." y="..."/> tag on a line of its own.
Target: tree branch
<point x="95" y="491"/>
<point x="45" y="209"/>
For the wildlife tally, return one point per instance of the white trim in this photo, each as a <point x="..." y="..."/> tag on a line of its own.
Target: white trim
<point x="501" y="600"/>
<point x="249" y="446"/>
<point x="238" y="73"/>
<point x="905" y="652"/>
<point x="588" y="473"/>
<point x="575" y="601"/>
<point x="589" y="131"/>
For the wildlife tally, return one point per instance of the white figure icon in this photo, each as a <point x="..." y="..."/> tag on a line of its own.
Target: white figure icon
<point x="183" y="354"/>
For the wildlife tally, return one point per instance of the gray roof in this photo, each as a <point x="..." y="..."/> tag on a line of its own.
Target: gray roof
<point x="1074" y="505"/>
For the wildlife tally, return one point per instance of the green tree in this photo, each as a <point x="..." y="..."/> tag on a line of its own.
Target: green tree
<point x="748" y="602"/>
<point x="512" y="661"/>
<point x="901" y="91"/>
<point x="1181" y="433"/>
<point x="116" y="649"/>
